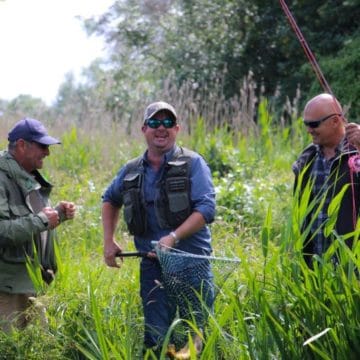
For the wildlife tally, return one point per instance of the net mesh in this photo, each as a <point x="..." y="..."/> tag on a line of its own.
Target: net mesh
<point x="193" y="281"/>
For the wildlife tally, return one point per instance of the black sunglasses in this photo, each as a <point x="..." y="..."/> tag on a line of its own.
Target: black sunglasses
<point x="155" y="123"/>
<point x="316" y="123"/>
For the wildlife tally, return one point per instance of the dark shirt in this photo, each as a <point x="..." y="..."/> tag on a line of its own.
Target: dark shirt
<point x="320" y="174"/>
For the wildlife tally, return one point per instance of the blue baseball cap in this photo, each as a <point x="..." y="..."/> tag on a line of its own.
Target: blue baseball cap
<point x="31" y="130"/>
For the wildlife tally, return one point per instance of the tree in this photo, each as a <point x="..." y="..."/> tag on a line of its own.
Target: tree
<point x="27" y="106"/>
<point x="212" y="42"/>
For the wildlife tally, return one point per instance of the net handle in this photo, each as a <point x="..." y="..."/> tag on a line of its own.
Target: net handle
<point x="136" y="253"/>
<point x="132" y="254"/>
<point x="154" y="243"/>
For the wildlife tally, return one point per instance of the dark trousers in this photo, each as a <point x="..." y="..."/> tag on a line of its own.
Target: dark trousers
<point x="158" y="311"/>
<point x="181" y="293"/>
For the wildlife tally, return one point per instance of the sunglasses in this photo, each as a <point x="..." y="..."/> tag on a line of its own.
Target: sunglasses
<point x="155" y="123"/>
<point x="316" y="123"/>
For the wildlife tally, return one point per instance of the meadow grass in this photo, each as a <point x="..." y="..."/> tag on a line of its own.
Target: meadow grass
<point x="271" y="307"/>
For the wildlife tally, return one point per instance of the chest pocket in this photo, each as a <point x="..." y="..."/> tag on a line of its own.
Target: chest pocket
<point x="18" y="210"/>
<point x="174" y="204"/>
<point x="134" y="209"/>
<point x="177" y="187"/>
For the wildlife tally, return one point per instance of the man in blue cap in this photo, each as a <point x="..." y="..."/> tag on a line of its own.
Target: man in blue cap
<point x="27" y="221"/>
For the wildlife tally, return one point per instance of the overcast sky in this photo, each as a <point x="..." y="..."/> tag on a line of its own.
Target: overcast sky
<point x="40" y="41"/>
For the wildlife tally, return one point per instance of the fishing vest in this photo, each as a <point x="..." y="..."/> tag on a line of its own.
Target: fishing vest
<point x="172" y="205"/>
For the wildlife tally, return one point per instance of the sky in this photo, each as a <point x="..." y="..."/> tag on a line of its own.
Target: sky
<point x="41" y="41"/>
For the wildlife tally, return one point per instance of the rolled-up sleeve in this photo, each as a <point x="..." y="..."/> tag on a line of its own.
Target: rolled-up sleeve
<point x="113" y="194"/>
<point x="202" y="189"/>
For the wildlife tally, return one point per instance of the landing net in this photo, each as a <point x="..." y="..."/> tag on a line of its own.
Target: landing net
<point x="193" y="281"/>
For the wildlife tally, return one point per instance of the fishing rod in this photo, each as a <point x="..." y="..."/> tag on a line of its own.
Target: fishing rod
<point x="311" y="57"/>
<point x="309" y="54"/>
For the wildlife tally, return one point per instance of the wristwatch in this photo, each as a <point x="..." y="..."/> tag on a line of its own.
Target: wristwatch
<point x="174" y="236"/>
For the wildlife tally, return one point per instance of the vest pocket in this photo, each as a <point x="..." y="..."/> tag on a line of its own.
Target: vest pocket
<point x="178" y="201"/>
<point x="134" y="212"/>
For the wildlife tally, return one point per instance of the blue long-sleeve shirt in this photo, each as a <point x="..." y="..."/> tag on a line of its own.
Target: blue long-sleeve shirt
<point x="202" y="200"/>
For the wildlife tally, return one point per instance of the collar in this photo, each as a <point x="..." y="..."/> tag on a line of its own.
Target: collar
<point x="166" y="157"/>
<point x="342" y="148"/>
<point x="26" y="181"/>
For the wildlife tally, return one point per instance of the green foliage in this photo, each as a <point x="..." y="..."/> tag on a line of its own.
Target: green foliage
<point x="26" y="106"/>
<point x="163" y="49"/>
<point x="33" y="267"/>
<point x="344" y="74"/>
<point x="272" y="306"/>
<point x="265" y="233"/>
<point x="217" y="147"/>
<point x="212" y="43"/>
<point x="78" y="154"/>
<point x="241" y="167"/>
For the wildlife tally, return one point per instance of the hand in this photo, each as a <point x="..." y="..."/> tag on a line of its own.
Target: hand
<point x="151" y="255"/>
<point x="68" y="209"/>
<point x="110" y="250"/>
<point x="166" y="242"/>
<point x="353" y="134"/>
<point x="53" y="217"/>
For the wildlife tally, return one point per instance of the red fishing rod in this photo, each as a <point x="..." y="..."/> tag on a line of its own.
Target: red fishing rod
<point x="309" y="54"/>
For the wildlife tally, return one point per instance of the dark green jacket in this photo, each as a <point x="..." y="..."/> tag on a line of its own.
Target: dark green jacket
<point x="22" y="225"/>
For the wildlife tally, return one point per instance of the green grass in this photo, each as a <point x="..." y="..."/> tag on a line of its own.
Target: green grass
<point x="272" y="307"/>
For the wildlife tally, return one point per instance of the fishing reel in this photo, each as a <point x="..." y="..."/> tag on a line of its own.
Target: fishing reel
<point x="354" y="163"/>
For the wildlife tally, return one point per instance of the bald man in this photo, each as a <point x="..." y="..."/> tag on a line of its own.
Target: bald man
<point x="332" y="164"/>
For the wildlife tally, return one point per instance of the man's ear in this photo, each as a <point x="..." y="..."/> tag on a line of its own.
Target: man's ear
<point x="143" y="128"/>
<point x="21" y="144"/>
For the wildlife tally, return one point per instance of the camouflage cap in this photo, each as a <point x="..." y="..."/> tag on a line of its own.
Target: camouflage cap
<point x="155" y="107"/>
